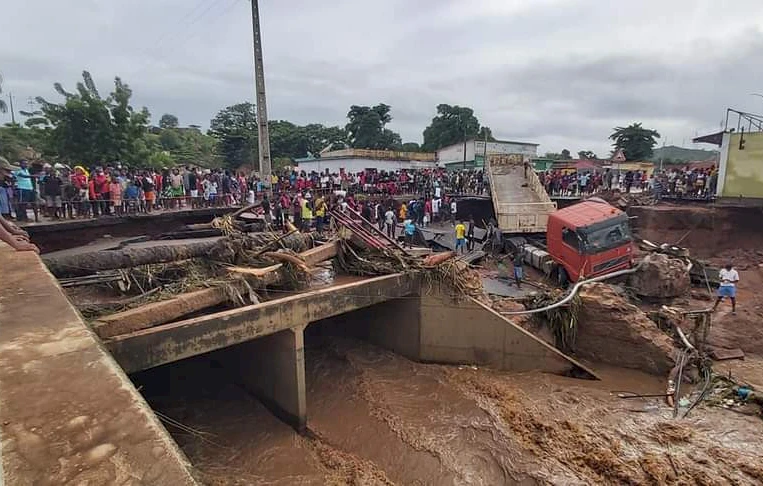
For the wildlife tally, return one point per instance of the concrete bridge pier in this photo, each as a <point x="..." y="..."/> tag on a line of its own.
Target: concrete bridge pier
<point x="273" y="369"/>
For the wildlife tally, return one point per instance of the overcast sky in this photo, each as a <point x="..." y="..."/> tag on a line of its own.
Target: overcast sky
<point x="561" y="73"/>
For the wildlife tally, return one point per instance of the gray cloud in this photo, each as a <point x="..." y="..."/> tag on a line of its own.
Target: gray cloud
<point x="558" y="72"/>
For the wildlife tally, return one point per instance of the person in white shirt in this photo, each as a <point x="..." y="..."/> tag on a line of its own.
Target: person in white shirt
<point x="729" y="278"/>
<point x="389" y="223"/>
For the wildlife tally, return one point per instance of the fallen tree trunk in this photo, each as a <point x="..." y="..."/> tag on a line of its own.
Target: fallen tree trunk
<point x="155" y="313"/>
<point x="77" y="265"/>
<point x="164" y="311"/>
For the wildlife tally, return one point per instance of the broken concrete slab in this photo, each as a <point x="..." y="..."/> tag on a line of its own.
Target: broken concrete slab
<point x="661" y="276"/>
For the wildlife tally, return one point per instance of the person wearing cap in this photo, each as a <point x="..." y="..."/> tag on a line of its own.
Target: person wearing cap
<point x="6" y="189"/>
<point x="9" y="232"/>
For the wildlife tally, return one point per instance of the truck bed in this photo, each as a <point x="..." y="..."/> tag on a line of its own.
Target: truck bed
<point x="521" y="204"/>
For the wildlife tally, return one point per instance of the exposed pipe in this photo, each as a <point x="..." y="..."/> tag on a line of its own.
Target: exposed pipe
<point x="574" y="290"/>
<point x="683" y="338"/>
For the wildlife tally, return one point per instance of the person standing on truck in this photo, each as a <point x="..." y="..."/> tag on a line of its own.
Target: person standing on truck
<point x="518" y="270"/>
<point x="453" y="210"/>
<point x="460" y="237"/>
<point x="729" y="278"/>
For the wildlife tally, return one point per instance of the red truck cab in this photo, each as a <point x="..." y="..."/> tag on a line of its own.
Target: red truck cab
<point x="589" y="239"/>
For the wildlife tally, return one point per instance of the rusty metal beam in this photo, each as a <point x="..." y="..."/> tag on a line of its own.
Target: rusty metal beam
<point x="159" y="345"/>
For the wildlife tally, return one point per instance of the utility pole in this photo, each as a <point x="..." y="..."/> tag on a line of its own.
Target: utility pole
<point x="262" y="110"/>
<point x="13" y="115"/>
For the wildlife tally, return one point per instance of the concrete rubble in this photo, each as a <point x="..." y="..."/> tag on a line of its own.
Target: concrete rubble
<point x="661" y="276"/>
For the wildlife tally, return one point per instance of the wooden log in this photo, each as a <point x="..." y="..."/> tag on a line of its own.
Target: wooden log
<point x="77" y="265"/>
<point x="164" y="311"/>
<point x="285" y="257"/>
<point x="156" y="313"/>
<point x="255" y="272"/>
<point x="438" y="258"/>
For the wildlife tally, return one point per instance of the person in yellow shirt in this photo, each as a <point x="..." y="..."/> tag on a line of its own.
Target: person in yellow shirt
<point x="460" y="237"/>
<point x="307" y="215"/>
<point x="320" y="214"/>
<point x="403" y="212"/>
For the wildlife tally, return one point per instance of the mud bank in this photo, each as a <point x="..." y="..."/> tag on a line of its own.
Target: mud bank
<point x="707" y="230"/>
<point x="377" y="418"/>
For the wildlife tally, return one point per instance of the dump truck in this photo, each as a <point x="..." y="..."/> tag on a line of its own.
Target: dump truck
<point x="585" y="240"/>
<point x="520" y="201"/>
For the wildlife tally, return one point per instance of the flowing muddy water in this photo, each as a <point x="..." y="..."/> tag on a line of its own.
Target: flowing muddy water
<point x="378" y="418"/>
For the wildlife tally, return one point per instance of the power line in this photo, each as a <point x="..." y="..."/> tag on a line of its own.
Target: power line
<point x="179" y="33"/>
<point x="169" y="33"/>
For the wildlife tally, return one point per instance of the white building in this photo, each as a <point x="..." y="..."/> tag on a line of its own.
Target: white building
<point x="358" y="160"/>
<point x="475" y="151"/>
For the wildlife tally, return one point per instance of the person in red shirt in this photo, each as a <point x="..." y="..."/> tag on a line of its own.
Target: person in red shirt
<point x="100" y="190"/>
<point x="91" y="196"/>
<point x="80" y="183"/>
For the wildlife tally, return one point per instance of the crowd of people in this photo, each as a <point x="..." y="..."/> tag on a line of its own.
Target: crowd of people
<point x="79" y="192"/>
<point x="64" y="192"/>
<point x="681" y="182"/>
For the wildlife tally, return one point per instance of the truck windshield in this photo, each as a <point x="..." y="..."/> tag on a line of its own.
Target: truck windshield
<point x="605" y="237"/>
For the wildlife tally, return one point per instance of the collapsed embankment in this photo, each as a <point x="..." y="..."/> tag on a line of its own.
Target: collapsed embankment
<point x="706" y="230"/>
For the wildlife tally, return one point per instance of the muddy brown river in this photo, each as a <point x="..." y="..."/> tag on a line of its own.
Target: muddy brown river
<point x="378" y="418"/>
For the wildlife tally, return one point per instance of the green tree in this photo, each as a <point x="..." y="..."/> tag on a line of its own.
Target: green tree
<point x="411" y="147"/>
<point x="170" y="139"/>
<point x="566" y="155"/>
<point x="587" y="155"/>
<point x="87" y="128"/>
<point x="366" y="128"/>
<point x="636" y="142"/>
<point x="486" y="133"/>
<point x="17" y="142"/>
<point x="287" y="140"/>
<point x="196" y="148"/>
<point x="452" y="124"/>
<point x="168" y="121"/>
<point x="235" y="129"/>
<point x="319" y="138"/>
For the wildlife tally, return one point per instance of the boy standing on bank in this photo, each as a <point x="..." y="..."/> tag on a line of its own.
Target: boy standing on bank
<point x="729" y="278"/>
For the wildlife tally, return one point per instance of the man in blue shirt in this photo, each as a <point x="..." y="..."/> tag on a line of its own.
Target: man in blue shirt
<point x="25" y="190"/>
<point x="410" y="229"/>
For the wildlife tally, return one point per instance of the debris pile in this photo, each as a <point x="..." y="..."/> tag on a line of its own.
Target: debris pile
<point x="354" y="258"/>
<point x="624" y="200"/>
<point x="661" y="276"/>
<point x="140" y="287"/>
<point x="562" y="321"/>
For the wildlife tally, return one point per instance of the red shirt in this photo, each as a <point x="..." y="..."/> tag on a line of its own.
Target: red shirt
<point x="79" y="181"/>
<point x="101" y="183"/>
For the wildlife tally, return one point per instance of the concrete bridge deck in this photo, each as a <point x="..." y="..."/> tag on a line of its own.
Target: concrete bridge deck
<point x="68" y="413"/>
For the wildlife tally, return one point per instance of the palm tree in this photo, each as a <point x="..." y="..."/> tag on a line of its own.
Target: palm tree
<point x="3" y="106"/>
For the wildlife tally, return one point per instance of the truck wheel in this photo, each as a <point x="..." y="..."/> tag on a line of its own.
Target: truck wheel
<point x="562" y="279"/>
